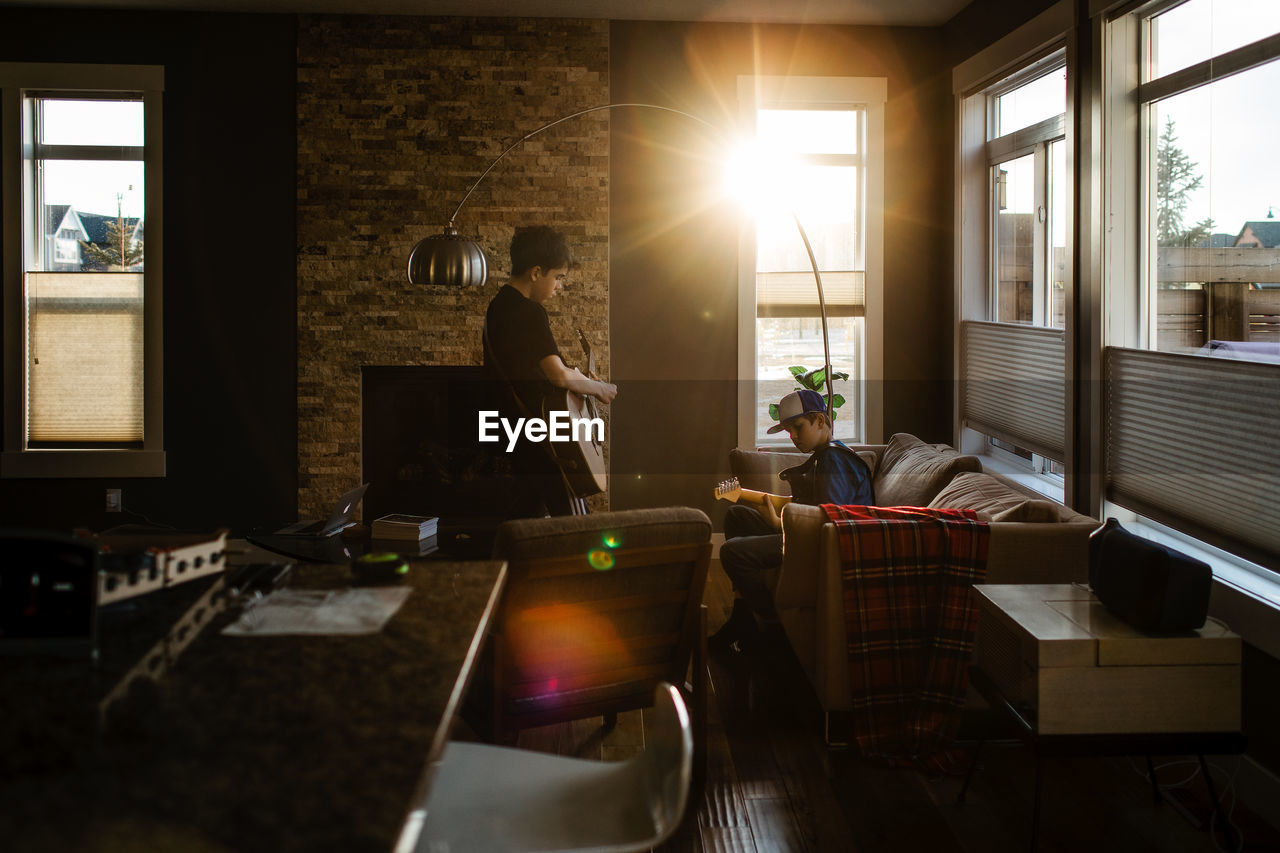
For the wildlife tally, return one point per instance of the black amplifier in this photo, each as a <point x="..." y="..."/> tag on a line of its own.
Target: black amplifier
<point x="48" y="593"/>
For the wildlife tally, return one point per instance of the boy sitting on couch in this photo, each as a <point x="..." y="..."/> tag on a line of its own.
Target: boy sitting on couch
<point x="753" y="537"/>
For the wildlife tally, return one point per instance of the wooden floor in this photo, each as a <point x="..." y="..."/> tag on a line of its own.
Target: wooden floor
<point x="773" y="785"/>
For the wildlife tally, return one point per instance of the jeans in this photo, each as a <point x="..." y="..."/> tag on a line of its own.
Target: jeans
<point x="751" y="551"/>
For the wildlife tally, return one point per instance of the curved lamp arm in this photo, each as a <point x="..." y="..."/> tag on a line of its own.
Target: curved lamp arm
<point x="513" y="146"/>
<point x="450" y="259"/>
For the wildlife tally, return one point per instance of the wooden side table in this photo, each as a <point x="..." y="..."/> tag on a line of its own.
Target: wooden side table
<point x="1074" y="680"/>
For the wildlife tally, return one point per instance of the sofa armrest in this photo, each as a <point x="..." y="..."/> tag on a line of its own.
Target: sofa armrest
<point x="1039" y="552"/>
<point x="808" y="550"/>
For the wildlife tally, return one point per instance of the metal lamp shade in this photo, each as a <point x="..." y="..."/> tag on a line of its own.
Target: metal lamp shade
<point x="448" y="259"/>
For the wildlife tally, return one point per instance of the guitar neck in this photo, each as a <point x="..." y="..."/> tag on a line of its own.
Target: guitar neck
<point x="751" y="496"/>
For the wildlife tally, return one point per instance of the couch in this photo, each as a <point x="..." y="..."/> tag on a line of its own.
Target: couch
<point x="1033" y="540"/>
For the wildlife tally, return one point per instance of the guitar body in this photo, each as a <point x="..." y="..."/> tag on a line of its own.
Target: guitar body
<point x="581" y="460"/>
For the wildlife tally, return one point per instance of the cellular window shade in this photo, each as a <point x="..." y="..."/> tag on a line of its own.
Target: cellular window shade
<point x="795" y="294"/>
<point x="1191" y="442"/>
<point x="1013" y="384"/>
<point x="85" y="358"/>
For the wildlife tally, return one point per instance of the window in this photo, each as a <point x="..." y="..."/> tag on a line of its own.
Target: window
<point x="1015" y="264"/>
<point x="1191" y="327"/>
<point x="81" y="155"/>
<point x="823" y="137"/>
<point x="1026" y="153"/>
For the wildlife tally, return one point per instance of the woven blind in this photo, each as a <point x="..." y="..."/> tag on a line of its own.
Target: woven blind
<point x="1013" y="384"/>
<point x="85" y="358"/>
<point x="1192" y="442"/>
<point x="795" y="294"/>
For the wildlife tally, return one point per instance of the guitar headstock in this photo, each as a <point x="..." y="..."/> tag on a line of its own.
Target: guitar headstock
<point x="729" y="490"/>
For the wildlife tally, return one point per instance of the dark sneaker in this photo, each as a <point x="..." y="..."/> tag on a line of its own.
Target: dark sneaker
<point x="740" y="627"/>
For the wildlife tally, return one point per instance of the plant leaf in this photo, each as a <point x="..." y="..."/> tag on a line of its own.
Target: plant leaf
<point x="797" y="370"/>
<point x="837" y="400"/>
<point x="773" y="411"/>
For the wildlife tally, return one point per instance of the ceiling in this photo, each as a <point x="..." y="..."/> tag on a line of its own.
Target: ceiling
<point x="919" y="13"/>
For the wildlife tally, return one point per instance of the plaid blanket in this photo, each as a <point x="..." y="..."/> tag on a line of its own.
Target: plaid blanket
<point x="909" y="620"/>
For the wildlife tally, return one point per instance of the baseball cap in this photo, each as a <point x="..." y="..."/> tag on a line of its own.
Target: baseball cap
<point x="795" y="404"/>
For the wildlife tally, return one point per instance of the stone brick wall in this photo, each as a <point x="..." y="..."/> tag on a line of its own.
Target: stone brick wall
<point x="397" y="116"/>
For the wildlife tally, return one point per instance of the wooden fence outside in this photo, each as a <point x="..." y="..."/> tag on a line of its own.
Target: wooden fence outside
<point x="1226" y="307"/>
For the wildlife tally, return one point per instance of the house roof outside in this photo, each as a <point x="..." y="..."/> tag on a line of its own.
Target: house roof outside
<point x="55" y="217"/>
<point x="1266" y="231"/>
<point x="95" y="225"/>
<point x="1217" y="241"/>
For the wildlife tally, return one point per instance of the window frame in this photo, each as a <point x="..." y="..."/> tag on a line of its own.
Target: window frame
<point x="16" y="458"/>
<point x="1245" y="592"/>
<point x="870" y="95"/>
<point x="1040" y="46"/>
<point x="1130" y="319"/>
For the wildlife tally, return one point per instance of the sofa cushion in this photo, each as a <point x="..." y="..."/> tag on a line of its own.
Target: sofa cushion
<point x="870" y="459"/>
<point x="758" y="469"/>
<point x="912" y="473"/>
<point x="1031" y="510"/>
<point x="979" y="492"/>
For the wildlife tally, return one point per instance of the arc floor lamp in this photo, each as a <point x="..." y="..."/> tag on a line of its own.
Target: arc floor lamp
<point x="452" y="260"/>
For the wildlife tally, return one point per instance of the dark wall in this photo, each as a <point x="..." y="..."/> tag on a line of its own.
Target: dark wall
<point x="229" y="265"/>
<point x="673" y="252"/>
<point x="984" y="22"/>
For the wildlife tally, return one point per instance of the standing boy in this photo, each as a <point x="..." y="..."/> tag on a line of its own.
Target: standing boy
<point x="521" y="349"/>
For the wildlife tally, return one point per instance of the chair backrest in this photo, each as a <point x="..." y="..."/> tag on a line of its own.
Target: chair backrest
<point x="668" y="753"/>
<point x="598" y="610"/>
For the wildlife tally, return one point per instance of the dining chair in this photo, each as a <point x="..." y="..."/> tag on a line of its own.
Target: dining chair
<point x="598" y="610"/>
<point x="486" y="798"/>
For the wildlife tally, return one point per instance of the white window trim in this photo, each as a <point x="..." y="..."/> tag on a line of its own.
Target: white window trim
<point x="870" y="93"/>
<point x="15" y="459"/>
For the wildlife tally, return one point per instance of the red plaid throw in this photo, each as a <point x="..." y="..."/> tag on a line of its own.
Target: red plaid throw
<point x="909" y="619"/>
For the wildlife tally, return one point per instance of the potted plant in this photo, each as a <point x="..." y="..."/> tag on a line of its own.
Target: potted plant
<point x="814" y="380"/>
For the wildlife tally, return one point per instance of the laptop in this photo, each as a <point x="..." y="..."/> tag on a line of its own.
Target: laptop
<point x="339" y="520"/>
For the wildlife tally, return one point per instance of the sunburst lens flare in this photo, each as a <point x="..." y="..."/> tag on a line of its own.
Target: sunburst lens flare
<point x="761" y="179"/>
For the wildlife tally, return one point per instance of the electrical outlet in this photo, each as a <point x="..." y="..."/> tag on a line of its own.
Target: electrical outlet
<point x="114" y="500"/>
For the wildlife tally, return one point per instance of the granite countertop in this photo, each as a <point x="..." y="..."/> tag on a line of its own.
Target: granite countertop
<point x="244" y="743"/>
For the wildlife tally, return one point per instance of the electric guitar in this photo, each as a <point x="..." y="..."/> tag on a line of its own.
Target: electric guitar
<point x="582" y="459"/>
<point x="731" y="490"/>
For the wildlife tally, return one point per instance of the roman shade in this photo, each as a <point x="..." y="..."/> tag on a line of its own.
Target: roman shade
<point x="1190" y="442"/>
<point x="84" y="372"/>
<point x="1013" y="384"/>
<point x="792" y="294"/>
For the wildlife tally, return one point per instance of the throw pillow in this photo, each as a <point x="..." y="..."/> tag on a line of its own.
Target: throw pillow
<point x="979" y="492"/>
<point x="1030" y="510"/>
<point x="912" y="472"/>
<point x="758" y="470"/>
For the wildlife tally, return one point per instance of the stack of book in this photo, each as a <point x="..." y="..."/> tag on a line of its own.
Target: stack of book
<point x="400" y="526"/>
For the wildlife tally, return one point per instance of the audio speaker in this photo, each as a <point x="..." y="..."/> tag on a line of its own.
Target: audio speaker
<point x="1152" y="587"/>
<point x="48" y="593"/>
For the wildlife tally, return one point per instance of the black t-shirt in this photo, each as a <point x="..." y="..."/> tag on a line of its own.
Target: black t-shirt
<point x="520" y="337"/>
